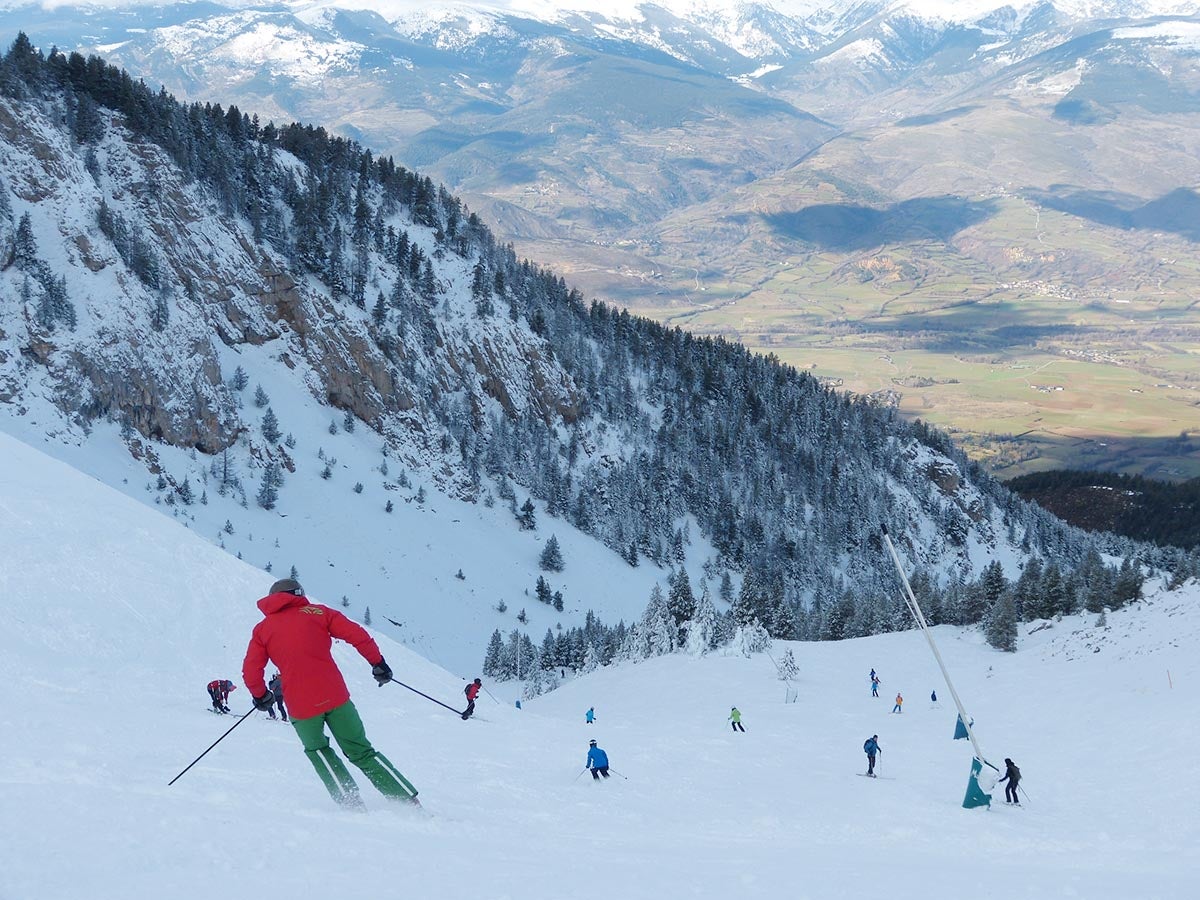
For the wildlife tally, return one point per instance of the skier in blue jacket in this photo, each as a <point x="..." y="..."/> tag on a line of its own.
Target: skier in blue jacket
<point x="597" y="761"/>
<point x="871" y="747"/>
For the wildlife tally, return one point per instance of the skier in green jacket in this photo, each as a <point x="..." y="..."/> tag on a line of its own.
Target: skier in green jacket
<point x="735" y="720"/>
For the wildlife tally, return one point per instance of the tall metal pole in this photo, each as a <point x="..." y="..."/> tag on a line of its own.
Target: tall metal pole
<point x="915" y="608"/>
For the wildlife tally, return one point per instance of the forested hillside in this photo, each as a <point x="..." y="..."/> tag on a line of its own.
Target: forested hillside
<point x="141" y="238"/>
<point x="1140" y="508"/>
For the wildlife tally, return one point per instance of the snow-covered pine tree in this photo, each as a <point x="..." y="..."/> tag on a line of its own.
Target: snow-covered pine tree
<point x="591" y="658"/>
<point x="658" y="627"/>
<point x="681" y="603"/>
<point x="493" y="657"/>
<point x="788" y="670"/>
<point x="528" y="516"/>
<point x="270" y="427"/>
<point x="551" y="559"/>
<point x="268" y="493"/>
<point x="700" y="633"/>
<point x="750" y="639"/>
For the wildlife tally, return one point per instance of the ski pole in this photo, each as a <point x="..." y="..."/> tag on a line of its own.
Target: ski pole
<point x="210" y="746"/>
<point x="1022" y="790"/>
<point x="581" y="771"/>
<point x="457" y="712"/>
<point x="615" y="772"/>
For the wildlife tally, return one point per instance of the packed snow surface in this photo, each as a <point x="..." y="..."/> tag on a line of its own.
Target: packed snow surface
<point x="118" y="616"/>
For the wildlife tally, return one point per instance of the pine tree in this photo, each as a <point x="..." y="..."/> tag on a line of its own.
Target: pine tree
<point x="367" y="617"/>
<point x="551" y="559"/>
<point x="726" y="591"/>
<point x="493" y="657"/>
<point x="751" y="639"/>
<point x="681" y="603"/>
<point x="260" y="397"/>
<point x="661" y="634"/>
<point x="1001" y="624"/>
<point x="268" y="493"/>
<point x="788" y="670"/>
<point x="701" y="631"/>
<point x="25" y="250"/>
<point x="240" y="379"/>
<point x="1128" y="586"/>
<point x="528" y="518"/>
<point x="270" y="427"/>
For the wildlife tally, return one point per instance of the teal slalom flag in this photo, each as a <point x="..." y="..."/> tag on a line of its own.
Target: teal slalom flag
<point x="976" y="795"/>
<point x="960" y="730"/>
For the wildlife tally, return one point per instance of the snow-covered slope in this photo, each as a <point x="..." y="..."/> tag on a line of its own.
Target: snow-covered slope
<point x="117" y="617"/>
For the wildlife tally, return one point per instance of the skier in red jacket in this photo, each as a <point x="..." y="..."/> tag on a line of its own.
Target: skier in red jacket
<point x="218" y="692"/>
<point x="472" y="691"/>
<point x="296" y="635"/>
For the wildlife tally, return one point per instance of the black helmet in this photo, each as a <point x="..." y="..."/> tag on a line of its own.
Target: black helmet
<point x="477" y="681"/>
<point x="287" y="586"/>
<point x="592" y="742"/>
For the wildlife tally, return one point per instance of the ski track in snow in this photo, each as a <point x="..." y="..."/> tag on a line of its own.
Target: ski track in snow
<point x="119" y="616"/>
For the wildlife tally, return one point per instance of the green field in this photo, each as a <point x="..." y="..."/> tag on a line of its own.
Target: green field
<point x="1092" y="367"/>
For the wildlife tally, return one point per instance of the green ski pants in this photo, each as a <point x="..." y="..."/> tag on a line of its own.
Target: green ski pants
<point x="347" y="728"/>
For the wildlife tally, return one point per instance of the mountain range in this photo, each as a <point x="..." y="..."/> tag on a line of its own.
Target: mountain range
<point x="924" y="201"/>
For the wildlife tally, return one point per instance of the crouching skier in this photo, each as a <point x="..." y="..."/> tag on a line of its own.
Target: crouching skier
<point x="296" y="635"/>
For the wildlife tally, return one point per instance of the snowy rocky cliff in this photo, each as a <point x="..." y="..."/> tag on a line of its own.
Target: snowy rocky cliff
<point x="150" y="324"/>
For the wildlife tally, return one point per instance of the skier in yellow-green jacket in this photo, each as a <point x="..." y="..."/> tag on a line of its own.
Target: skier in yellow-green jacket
<point x="735" y="720"/>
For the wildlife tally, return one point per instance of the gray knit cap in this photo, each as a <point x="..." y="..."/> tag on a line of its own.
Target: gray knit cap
<point x="287" y="586"/>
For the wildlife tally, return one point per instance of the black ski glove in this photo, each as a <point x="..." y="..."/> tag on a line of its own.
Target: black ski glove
<point x="265" y="701"/>
<point x="382" y="672"/>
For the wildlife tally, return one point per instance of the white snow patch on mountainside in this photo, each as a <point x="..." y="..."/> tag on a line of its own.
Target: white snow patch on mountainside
<point x="1180" y="34"/>
<point x="118" y="617"/>
<point x="865" y="50"/>
<point x="292" y="52"/>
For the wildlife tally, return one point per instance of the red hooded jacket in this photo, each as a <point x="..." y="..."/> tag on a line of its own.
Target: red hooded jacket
<point x="296" y="635"/>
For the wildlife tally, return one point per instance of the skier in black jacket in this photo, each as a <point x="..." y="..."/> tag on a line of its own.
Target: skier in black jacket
<point x="1013" y="776"/>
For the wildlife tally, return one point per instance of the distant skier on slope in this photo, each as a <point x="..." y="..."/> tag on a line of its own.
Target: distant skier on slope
<point x="296" y="635"/>
<point x="218" y="692"/>
<point x="871" y="748"/>
<point x="933" y="696"/>
<point x="899" y="703"/>
<point x="597" y="761"/>
<point x="735" y="720"/>
<point x="472" y="691"/>
<point x="874" y="685"/>
<point x="275" y="686"/>
<point x="590" y="716"/>
<point x="1013" y="776"/>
